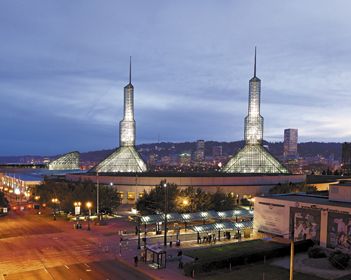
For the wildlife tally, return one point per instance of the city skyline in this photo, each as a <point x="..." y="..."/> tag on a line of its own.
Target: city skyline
<point x="63" y="70"/>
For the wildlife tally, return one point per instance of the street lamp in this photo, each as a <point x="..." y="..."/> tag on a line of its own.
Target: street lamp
<point x="97" y="195"/>
<point x="77" y="205"/>
<point x="55" y="201"/>
<point x="185" y="202"/>
<point x="89" y="205"/>
<point x="252" y="202"/>
<point x="166" y="210"/>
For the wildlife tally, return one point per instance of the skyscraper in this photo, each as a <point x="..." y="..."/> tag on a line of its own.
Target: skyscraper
<point x="290" y="143"/>
<point x="126" y="158"/>
<point x="254" y="158"/>
<point x="346" y="158"/>
<point x="200" y="151"/>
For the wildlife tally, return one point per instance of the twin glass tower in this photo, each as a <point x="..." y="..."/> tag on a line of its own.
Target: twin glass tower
<point x="254" y="158"/>
<point x="126" y="158"/>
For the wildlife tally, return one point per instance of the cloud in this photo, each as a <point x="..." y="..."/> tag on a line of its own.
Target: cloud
<point x="63" y="67"/>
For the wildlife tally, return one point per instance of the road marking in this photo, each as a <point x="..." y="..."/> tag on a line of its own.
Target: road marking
<point x="88" y="270"/>
<point x="86" y="265"/>
<point x="46" y="270"/>
<point x="66" y="267"/>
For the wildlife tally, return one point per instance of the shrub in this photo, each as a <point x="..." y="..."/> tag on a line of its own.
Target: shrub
<point x="339" y="259"/>
<point x="240" y="257"/>
<point x="316" y="252"/>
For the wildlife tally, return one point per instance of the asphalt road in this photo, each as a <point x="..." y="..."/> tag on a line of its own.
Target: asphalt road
<point x="36" y="247"/>
<point x="105" y="270"/>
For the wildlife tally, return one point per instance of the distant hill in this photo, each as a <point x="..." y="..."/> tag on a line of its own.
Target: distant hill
<point x="307" y="149"/>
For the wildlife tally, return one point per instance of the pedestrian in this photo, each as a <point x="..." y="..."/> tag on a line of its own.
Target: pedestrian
<point x="180" y="264"/>
<point x="136" y="261"/>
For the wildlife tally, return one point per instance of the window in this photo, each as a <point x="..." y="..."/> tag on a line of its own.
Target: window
<point x="131" y="196"/>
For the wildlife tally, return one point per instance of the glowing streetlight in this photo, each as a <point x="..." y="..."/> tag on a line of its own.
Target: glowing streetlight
<point x="185" y="202"/>
<point x="89" y="205"/>
<point x="55" y="201"/>
<point x="77" y="205"/>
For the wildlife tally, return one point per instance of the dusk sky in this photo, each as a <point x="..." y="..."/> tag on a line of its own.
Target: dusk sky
<point x="63" y="66"/>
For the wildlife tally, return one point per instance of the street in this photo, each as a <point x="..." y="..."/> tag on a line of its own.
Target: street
<point x="36" y="247"/>
<point x="109" y="269"/>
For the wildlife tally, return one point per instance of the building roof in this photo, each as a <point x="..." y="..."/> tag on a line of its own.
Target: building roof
<point x="198" y="216"/>
<point x="312" y="199"/>
<point x="123" y="159"/>
<point x="254" y="159"/>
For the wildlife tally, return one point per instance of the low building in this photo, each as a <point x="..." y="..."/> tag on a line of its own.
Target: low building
<point x="132" y="185"/>
<point x="326" y="220"/>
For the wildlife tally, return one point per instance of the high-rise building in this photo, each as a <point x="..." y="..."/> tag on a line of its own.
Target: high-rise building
<point x="290" y="143"/>
<point x="346" y="158"/>
<point x="185" y="158"/>
<point x="126" y="158"/>
<point x="254" y="158"/>
<point x="200" y="151"/>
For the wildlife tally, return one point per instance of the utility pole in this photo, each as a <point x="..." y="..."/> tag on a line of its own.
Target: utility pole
<point x="292" y="250"/>
<point x="166" y="210"/>
<point x="97" y="195"/>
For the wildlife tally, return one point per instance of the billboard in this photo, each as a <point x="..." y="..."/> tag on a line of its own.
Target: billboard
<point x="305" y="223"/>
<point x="271" y="218"/>
<point x="339" y="231"/>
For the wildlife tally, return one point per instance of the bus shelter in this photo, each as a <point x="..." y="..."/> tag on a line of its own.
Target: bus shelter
<point x="156" y="255"/>
<point x="209" y="230"/>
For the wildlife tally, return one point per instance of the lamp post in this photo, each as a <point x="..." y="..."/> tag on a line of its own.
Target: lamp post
<point x="89" y="205"/>
<point x="97" y="195"/>
<point x="77" y="205"/>
<point x="138" y="229"/>
<point x="55" y="201"/>
<point x="166" y="210"/>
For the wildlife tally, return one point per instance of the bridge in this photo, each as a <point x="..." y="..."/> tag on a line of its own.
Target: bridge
<point x="23" y="165"/>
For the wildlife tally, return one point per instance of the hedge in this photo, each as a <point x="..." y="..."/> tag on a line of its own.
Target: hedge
<point x="257" y="252"/>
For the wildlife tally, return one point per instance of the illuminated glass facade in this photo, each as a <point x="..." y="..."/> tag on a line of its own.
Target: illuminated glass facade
<point x="254" y="158"/>
<point x="254" y="121"/>
<point x="125" y="158"/>
<point x="127" y="125"/>
<point x="68" y="161"/>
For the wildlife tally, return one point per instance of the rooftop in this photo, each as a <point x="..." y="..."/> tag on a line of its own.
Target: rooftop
<point x="313" y="199"/>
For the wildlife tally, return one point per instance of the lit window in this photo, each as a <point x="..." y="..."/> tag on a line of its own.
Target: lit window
<point x="131" y="195"/>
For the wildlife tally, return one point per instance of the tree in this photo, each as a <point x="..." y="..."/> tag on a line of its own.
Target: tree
<point x="154" y="201"/>
<point x="186" y="200"/>
<point x="68" y="192"/>
<point x="196" y="200"/>
<point x="222" y="201"/>
<point x="3" y="200"/>
<point x="291" y="188"/>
